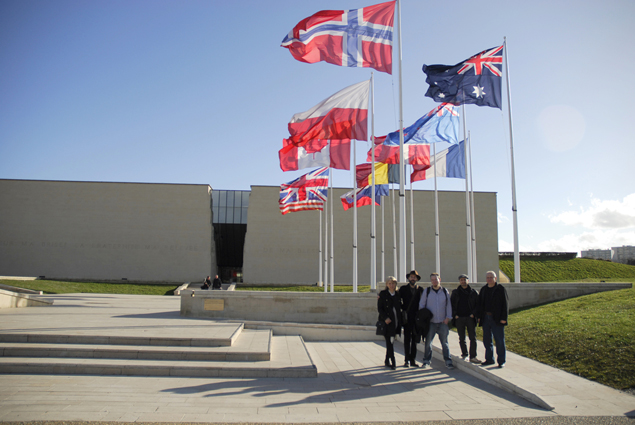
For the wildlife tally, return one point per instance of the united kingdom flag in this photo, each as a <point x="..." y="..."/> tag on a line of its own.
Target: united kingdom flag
<point x="476" y="80"/>
<point x="308" y="192"/>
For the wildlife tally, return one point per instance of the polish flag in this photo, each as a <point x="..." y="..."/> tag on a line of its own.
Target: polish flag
<point x="335" y="154"/>
<point x="344" y="115"/>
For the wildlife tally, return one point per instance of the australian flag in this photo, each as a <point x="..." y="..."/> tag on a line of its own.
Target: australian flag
<point x="476" y="80"/>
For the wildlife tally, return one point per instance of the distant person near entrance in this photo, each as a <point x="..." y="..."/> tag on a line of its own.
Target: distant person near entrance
<point x="217" y="284"/>
<point x="207" y="283"/>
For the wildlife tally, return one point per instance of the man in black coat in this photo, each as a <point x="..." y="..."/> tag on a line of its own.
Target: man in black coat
<point x="465" y="313"/>
<point x="217" y="284"/>
<point x="493" y="307"/>
<point x="410" y="296"/>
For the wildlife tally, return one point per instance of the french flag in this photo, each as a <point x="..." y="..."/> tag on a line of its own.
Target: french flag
<point x="341" y="116"/>
<point x="352" y="38"/>
<point x="333" y="154"/>
<point x="447" y="163"/>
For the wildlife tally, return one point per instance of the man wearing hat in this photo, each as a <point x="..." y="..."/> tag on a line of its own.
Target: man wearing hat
<point x="465" y="313"/>
<point x="410" y="297"/>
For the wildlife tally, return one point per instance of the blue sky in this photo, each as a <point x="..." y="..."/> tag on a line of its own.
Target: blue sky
<point x="201" y="92"/>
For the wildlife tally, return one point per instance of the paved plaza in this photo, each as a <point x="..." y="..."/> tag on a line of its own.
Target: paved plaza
<point x="352" y="384"/>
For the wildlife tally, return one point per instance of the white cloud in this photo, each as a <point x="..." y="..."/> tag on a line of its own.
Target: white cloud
<point x="602" y="214"/>
<point x="596" y="239"/>
<point x="502" y="218"/>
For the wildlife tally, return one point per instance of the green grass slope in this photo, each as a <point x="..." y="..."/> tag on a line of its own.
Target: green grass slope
<point x="572" y="270"/>
<point x="64" y="287"/>
<point x="591" y="336"/>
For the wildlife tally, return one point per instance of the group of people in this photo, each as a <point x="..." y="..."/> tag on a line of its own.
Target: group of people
<point x="215" y="284"/>
<point x="426" y="312"/>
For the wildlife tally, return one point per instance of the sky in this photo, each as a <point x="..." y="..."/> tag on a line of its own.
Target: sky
<point x="200" y="92"/>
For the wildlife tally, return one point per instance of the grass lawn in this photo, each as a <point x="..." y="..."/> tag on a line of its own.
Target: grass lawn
<point x="591" y="336"/>
<point x="63" y="287"/>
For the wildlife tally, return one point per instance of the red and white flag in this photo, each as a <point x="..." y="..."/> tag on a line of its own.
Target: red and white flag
<point x="335" y="154"/>
<point x="352" y="38"/>
<point x="341" y="116"/>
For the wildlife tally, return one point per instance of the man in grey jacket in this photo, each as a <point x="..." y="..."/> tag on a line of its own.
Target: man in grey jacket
<point x="437" y="299"/>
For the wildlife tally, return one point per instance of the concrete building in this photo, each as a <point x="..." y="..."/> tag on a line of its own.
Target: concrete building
<point x="623" y="254"/>
<point x="106" y="231"/>
<point x="180" y="233"/>
<point x="596" y="254"/>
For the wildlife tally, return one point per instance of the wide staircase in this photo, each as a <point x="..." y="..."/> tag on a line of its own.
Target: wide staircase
<point x="224" y="350"/>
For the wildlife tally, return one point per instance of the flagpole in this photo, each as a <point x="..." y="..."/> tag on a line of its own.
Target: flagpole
<point x="320" y="281"/>
<point x="511" y="148"/>
<point x="394" y="233"/>
<point x="332" y="277"/>
<point x="474" y="264"/>
<point x="383" y="252"/>
<point x="373" y="242"/>
<point x="326" y="240"/>
<point x="468" y="223"/>
<point x="402" y="171"/>
<point x="412" y="228"/>
<point x="437" y="245"/>
<point x="355" y="216"/>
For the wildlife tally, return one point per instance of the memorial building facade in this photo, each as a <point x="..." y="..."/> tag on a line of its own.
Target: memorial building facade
<point x="181" y="233"/>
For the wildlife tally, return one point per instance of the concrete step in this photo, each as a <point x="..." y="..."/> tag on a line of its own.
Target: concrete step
<point x="289" y="359"/>
<point x="224" y="336"/>
<point x="252" y="346"/>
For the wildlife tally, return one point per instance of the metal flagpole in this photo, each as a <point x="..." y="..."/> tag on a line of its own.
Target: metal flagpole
<point x="321" y="282"/>
<point x="332" y="277"/>
<point x="474" y="268"/>
<point x="511" y="148"/>
<point x="437" y="245"/>
<point x="326" y="239"/>
<point x="468" y="223"/>
<point x="373" y="242"/>
<point x="394" y="233"/>
<point x="401" y="276"/>
<point x="355" y="216"/>
<point x="412" y="228"/>
<point x="383" y="252"/>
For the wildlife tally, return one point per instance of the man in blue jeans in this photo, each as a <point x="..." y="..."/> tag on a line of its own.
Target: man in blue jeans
<point x="493" y="306"/>
<point x="437" y="299"/>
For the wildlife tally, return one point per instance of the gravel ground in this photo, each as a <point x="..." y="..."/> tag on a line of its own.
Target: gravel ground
<point x="549" y="420"/>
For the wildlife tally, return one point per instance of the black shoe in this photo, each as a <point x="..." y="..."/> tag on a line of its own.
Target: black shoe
<point x="387" y="363"/>
<point x="393" y="367"/>
<point x="406" y="364"/>
<point x="413" y="364"/>
<point x="488" y="363"/>
<point x="502" y="365"/>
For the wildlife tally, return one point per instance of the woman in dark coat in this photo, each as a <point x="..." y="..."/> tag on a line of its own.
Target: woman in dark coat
<point x="389" y="307"/>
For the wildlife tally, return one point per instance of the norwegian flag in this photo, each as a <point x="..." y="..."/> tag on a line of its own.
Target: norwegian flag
<point x="308" y="192"/>
<point x="352" y="38"/>
<point x="476" y="80"/>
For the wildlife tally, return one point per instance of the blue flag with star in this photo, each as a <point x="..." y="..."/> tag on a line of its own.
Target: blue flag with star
<point x="476" y="80"/>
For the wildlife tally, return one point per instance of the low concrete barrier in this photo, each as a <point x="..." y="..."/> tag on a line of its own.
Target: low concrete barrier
<point x="9" y="299"/>
<point x="348" y="308"/>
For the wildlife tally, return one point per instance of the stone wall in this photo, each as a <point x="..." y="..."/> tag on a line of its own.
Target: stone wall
<point x="349" y="308"/>
<point x="106" y="231"/>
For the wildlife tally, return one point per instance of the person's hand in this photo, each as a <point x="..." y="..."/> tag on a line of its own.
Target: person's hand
<point x="503" y="322"/>
<point x="388" y="321"/>
<point x="472" y="316"/>
<point x="456" y="317"/>
<point x="446" y="321"/>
